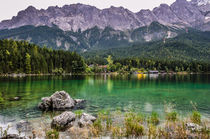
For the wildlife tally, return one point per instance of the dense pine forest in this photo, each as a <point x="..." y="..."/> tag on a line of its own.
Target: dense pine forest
<point x="23" y="57"/>
<point x="144" y="64"/>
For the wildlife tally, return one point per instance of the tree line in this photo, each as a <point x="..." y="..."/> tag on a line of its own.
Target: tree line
<point x="164" y="65"/>
<point x="145" y="64"/>
<point x="23" y="57"/>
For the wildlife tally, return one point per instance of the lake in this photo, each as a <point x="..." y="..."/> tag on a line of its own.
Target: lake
<point x="140" y="93"/>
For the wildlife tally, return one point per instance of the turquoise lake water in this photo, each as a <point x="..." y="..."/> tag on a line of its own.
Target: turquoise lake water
<point x="140" y="93"/>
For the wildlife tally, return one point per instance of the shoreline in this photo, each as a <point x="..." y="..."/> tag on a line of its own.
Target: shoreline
<point x="111" y="73"/>
<point x="119" y="124"/>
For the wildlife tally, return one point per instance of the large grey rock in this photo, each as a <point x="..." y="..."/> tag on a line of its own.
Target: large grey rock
<point x="60" y="100"/>
<point x="63" y="121"/>
<point x="86" y="119"/>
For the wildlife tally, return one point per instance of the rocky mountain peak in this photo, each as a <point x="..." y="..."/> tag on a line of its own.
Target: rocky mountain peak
<point x="187" y="12"/>
<point x="181" y="1"/>
<point x="31" y="9"/>
<point x="200" y="2"/>
<point x="80" y="16"/>
<point x="146" y="16"/>
<point x="165" y="14"/>
<point x="164" y="6"/>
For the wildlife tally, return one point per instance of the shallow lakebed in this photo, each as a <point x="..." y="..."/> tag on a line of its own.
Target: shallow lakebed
<point x="19" y="97"/>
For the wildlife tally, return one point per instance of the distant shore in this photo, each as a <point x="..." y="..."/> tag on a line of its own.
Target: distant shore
<point x="110" y="73"/>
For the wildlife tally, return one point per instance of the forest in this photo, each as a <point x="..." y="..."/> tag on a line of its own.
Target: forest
<point x="188" y="47"/>
<point x="130" y="65"/>
<point x="23" y="57"/>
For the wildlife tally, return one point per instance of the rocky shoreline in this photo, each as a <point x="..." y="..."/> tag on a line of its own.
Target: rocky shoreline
<point x="72" y="123"/>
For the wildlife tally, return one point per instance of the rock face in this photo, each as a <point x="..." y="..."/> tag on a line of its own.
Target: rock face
<point x="165" y="14"/>
<point x="200" y="2"/>
<point x="80" y="16"/>
<point x="146" y="16"/>
<point x="86" y="119"/>
<point x="188" y="12"/>
<point x="204" y="8"/>
<point x="60" y="100"/>
<point x="63" y="121"/>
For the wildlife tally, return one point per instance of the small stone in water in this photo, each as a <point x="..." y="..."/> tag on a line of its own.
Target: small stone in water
<point x="24" y="126"/>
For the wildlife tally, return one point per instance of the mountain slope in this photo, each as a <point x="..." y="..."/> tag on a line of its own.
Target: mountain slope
<point x="191" y="46"/>
<point x="92" y="38"/>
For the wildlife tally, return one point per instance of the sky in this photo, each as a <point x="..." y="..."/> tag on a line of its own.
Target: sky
<point x="9" y="8"/>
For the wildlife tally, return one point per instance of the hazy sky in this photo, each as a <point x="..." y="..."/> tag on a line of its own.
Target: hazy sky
<point x="9" y="8"/>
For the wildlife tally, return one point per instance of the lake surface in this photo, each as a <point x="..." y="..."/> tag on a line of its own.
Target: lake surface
<point x="141" y="93"/>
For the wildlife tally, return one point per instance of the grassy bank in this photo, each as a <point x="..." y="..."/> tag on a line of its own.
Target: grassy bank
<point x="119" y="124"/>
<point x="135" y="125"/>
<point x="129" y="124"/>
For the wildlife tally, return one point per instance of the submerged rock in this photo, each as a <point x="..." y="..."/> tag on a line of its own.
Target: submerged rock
<point x="78" y="101"/>
<point x="60" y="100"/>
<point x="24" y="126"/>
<point x="63" y="121"/>
<point x="86" y="119"/>
<point x="15" y="98"/>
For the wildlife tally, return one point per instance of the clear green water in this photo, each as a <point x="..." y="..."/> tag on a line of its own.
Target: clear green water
<point x="139" y="93"/>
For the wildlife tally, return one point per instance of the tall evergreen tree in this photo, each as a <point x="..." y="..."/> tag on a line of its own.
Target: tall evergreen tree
<point x="28" y="63"/>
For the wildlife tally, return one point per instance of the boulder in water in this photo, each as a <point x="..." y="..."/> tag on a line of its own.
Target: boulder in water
<point x="60" y="100"/>
<point x="86" y="119"/>
<point x="63" y="121"/>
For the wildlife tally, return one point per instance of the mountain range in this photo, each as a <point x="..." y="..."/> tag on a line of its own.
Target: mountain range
<point x="180" y="31"/>
<point x="182" y="13"/>
<point x="191" y="46"/>
<point x="93" y="38"/>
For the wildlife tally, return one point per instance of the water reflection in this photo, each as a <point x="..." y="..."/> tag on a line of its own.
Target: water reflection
<point x="153" y="76"/>
<point x="109" y="85"/>
<point x="141" y="76"/>
<point x="140" y="92"/>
